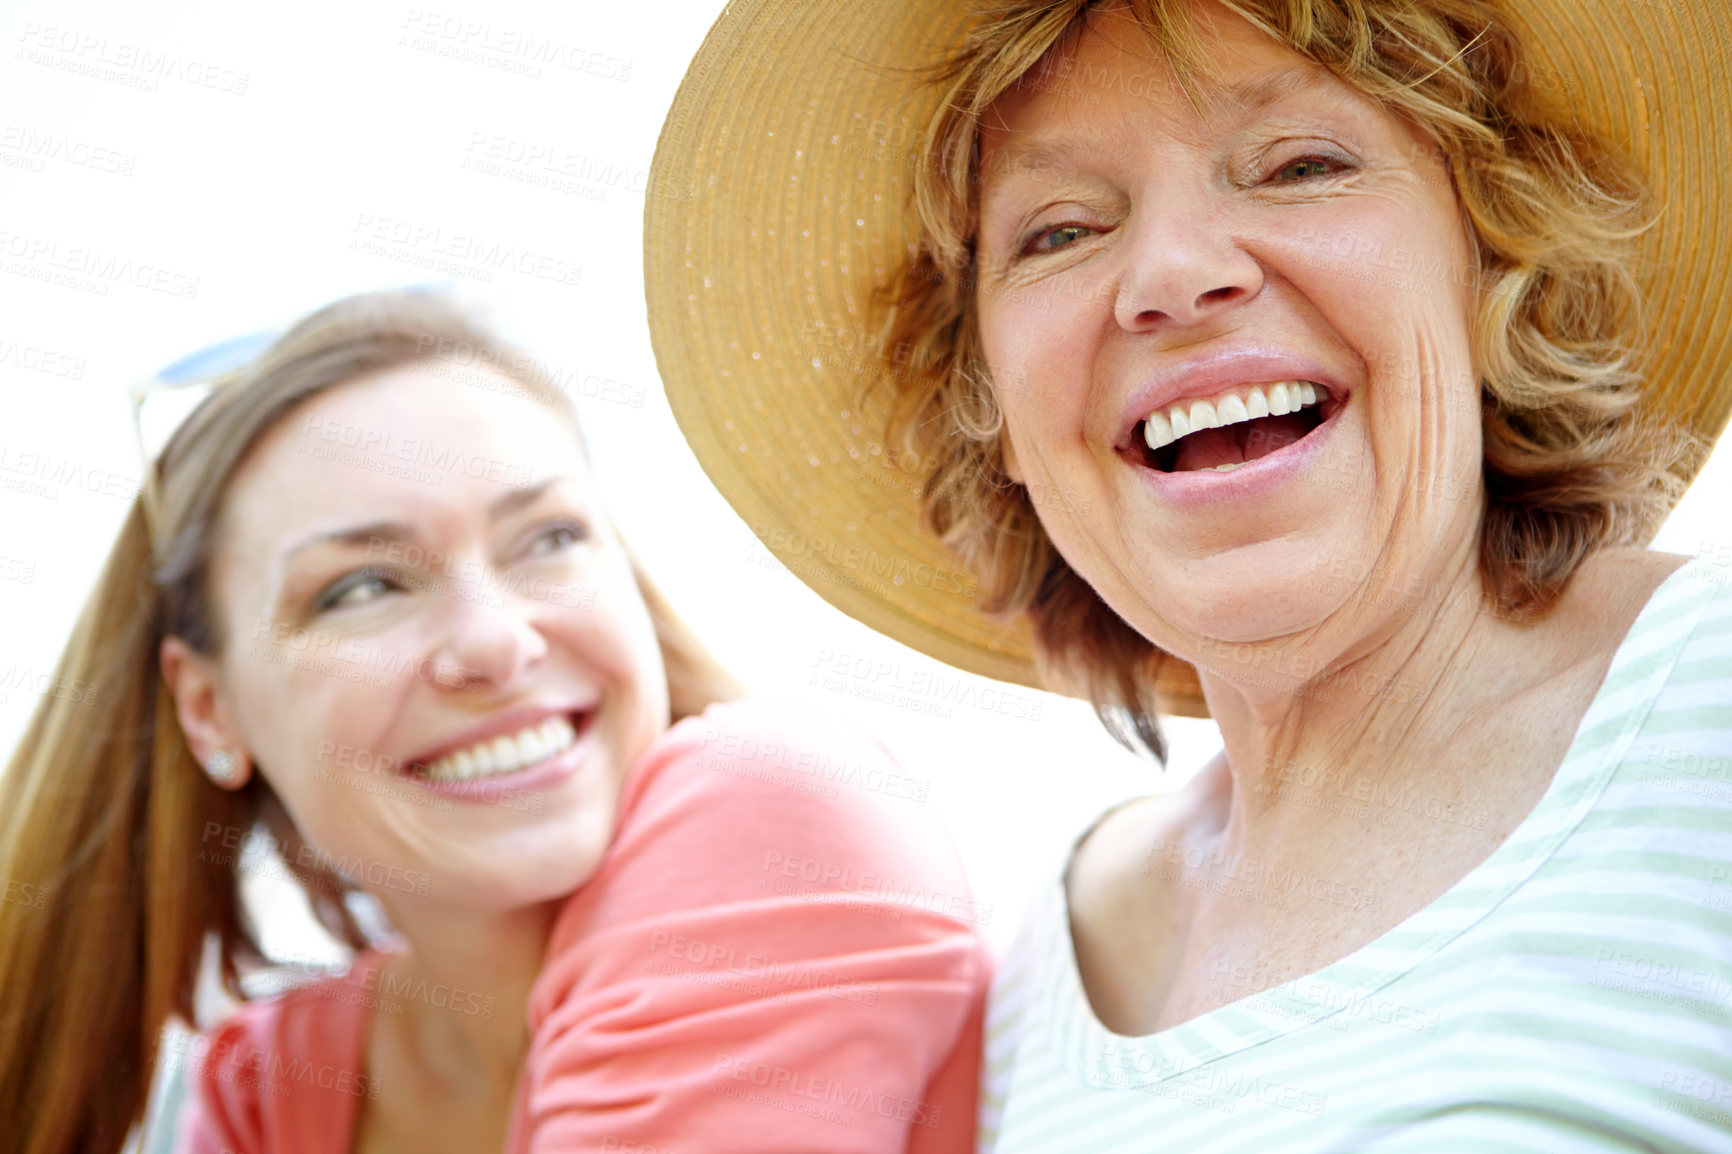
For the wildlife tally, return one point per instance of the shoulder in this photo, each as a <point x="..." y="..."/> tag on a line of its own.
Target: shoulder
<point x="1653" y="605"/>
<point x="1611" y="596"/>
<point x="778" y="902"/>
<point x="1707" y="579"/>
<point x="1118" y="859"/>
<point x="224" y="1111"/>
<point x="753" y="812"/>
<point x="1125" y="898"/>
<point x="756" y="790"/>
<point x="766" y="748"/>
<point x="279" y="1073"/>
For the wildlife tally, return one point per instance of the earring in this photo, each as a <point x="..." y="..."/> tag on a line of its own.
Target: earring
<point x="221" y="766"/>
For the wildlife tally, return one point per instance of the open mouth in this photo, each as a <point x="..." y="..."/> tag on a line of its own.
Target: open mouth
<point x="505" y="754"/>
<point x="1231" y="429"/>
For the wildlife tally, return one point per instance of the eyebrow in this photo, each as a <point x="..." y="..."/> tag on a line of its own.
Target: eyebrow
<point x="355" y="535"/>
<point x="1257" y="92"/>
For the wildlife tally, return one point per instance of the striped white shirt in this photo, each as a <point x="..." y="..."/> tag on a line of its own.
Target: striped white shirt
<point x="1572" y="993"/>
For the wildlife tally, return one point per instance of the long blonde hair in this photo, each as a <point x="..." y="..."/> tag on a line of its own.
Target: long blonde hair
<point x="102" y="805"/>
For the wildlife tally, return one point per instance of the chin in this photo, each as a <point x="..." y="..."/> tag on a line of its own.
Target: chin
<point x="529" y="885"/>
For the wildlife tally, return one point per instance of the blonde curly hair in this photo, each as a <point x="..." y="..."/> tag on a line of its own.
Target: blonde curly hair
<point x="1553" y="216"/>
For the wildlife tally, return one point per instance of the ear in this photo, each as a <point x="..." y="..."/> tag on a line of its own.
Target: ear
<point x="202" y="709"/>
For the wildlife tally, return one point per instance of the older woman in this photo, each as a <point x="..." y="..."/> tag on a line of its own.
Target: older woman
<point x="1298" y="343"/>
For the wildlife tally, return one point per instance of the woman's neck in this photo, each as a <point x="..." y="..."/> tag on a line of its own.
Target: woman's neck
<point x="1375" y="799"/>
<point x="1435" y="706"/>
<point x="465" y="979"/>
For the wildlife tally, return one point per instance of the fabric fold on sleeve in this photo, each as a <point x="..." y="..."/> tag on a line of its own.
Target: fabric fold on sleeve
<point x="775" y="956"/>
<point x="283" y="1075"/>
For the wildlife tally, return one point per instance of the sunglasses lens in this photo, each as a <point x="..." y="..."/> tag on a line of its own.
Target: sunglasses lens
<point x="163" y="402"/>
<point x="215" y="360"/>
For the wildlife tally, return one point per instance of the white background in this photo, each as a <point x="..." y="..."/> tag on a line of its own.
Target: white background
<point x="256" y="146"/>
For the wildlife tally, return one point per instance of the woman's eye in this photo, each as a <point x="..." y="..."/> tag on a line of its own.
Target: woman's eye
<point x="358" y="588"/>
<point x="1054" y="239"/>
<point x="561" y="536"/>
<point x="1306" y="167"/>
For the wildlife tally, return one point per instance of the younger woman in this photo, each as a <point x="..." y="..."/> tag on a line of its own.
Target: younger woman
<point x="368" y="623"/>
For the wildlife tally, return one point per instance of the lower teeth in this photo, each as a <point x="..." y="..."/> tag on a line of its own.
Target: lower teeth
<point x="1227" y="467"/>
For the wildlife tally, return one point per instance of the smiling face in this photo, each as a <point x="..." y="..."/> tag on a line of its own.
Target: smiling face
<point x="1291" y="268"/>
<point x="436" y="652"/>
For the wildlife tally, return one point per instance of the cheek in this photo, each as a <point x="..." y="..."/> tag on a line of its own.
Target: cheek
<point x="307" y="696"/>
<point x="1035" y="336"/>
<point x="1013" y="339"/>
<point x="1043" y="364"/>
<point x="1366" y="278"/>
<point x="313" y="723"/>
<point x="620" y="639"/>
<point x="1393" y="280"/>
<point x="283" y="700"/>
<point x="1393" y="249"/>
<point x="1040" y="375"/>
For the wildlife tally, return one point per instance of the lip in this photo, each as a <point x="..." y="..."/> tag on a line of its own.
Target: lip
<point x="505" y="721"/>
<point x="1214" y="373"/>
<point x="1253" y="480"/>
<point x="543" y="775"/>
<point x="508" y="721"/>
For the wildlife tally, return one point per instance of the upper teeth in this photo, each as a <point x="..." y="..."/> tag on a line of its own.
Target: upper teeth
<point x="505" y="754"/>
<point x="1247" y="404"/>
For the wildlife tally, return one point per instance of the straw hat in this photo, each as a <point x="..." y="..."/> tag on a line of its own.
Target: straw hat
<point x="778" y="198"/>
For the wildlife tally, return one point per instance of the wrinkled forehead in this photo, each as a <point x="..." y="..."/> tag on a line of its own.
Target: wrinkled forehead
<point x="1110" y="69"/>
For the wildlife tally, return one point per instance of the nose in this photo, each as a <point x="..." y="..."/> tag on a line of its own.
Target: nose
<point x="1183" y="266"/>
<point x="488" y="641"/>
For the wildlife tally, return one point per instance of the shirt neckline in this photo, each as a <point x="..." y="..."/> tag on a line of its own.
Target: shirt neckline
<point x="1101" y="1058"/>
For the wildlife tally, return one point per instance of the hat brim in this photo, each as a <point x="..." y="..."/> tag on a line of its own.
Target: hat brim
<point x="778" y="200"/>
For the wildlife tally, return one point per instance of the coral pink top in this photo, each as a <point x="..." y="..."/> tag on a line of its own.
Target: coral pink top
<point x="772" y="956"/>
